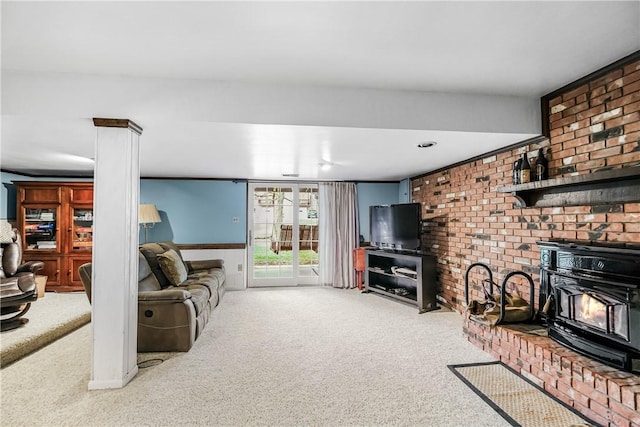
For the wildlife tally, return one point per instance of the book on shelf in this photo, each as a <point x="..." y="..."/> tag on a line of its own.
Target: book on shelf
<point x="39" y="227"/>
<point x="404" y="272"/>
<point x="46" y="244"/>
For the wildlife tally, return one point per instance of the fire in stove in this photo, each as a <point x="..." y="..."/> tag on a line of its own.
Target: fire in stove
<point x="591" y="311"/>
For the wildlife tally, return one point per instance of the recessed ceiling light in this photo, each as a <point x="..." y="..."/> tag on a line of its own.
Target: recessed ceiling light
<point x="427" y="144"/>
<point x="73" y="158"/>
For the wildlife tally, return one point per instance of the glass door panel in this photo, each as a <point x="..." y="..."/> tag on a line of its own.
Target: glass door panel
<point x="282" y="239"/>
<point x="272" y="236"/>
<point x="40" y="228"/>
<point x="308" y="231"/>
<point x="82" y="232"/>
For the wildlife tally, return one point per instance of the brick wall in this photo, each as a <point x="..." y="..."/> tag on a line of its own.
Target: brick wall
<point x="593" y="127"/>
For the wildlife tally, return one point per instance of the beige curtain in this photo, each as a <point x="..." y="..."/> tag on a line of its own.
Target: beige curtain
<point x="338" y="229"/>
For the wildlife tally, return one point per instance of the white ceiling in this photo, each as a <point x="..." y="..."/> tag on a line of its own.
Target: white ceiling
<point x="257" y="89"/>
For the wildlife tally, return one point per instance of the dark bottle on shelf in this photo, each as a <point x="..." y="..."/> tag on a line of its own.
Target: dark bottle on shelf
<point x="525" y="169"/>
<point x="542" y="170"/>
<point x="516" y="171"/>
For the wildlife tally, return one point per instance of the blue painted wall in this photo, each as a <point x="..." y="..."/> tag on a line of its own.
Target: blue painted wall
<point x="8" y="195"/>
<point x="197" y="211"/>
<point x="371" y="194"/>
<point x="192" y="211"/>
<point x="202" y="211"/>
<point x="404" y="191"/>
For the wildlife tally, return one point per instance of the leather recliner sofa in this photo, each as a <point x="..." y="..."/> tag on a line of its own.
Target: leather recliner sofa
<point x="171" y="315"/>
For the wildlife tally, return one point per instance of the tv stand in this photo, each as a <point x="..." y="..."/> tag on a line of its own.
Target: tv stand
<point x="402" y="251"/>
<point x="391" y="273"/>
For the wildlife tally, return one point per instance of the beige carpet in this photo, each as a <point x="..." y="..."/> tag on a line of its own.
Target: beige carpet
<point x="50" y="317"/>
<point x="517" y="400"/>
<point x="277" y="357"/>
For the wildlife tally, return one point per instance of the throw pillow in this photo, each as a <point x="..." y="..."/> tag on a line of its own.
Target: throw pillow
<point x="6" y="232"/>
<point x="172" y="266"/>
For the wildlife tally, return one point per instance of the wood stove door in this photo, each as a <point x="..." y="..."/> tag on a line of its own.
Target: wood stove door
<point x="592" y="309"/>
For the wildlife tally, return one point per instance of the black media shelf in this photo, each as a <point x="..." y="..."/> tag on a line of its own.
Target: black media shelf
<point x="381" y="278"/>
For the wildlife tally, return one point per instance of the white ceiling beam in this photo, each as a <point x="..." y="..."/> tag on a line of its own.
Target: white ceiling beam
<point x="85" y="96"/>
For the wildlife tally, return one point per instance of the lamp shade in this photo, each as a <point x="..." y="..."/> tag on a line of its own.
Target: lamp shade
<point x="148" y="214"/>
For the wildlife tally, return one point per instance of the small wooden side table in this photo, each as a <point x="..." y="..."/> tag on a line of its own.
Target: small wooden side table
<point x="359" y="265"/>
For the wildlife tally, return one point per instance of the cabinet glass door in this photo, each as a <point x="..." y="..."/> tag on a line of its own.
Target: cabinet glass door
<point x="82" y="233"/>
<point x="40" y="228"/>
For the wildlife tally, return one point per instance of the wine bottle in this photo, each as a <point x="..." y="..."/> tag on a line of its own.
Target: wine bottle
<point x="525" y="170"/>
<point x="516" y="171"/>
<point x="542" y="171"/>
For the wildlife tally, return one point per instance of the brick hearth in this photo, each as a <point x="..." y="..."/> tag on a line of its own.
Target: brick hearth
<point x="604" y="394"/>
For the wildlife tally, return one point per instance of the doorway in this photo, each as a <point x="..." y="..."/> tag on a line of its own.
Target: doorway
<point x="283" y="234"/>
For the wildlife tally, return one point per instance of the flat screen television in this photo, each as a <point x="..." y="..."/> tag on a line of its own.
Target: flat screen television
<point x="395" y="226"/>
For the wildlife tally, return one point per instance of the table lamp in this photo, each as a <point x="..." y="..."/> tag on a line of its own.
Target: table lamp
<point x="148" y="216"/>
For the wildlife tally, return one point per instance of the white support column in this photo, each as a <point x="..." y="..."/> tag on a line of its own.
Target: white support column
<point x="114" y="308"/>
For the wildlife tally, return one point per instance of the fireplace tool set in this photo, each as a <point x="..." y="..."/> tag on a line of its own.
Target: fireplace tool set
<point x="502" y="307"/>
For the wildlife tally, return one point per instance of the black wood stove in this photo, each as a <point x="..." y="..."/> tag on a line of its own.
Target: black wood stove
<point x="590" y="299"/>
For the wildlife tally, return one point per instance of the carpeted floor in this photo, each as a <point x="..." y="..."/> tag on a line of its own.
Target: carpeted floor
<point x="516" y="399"/>
<point x="50" y="318"/>
<point x="276" y="356"/>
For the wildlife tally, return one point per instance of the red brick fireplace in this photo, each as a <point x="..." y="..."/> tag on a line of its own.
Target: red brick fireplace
<point x="592" y="128"/>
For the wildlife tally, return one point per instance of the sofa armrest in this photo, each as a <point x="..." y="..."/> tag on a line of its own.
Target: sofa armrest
<point x="166" y="325"/>
<point x="15" y="288"/>
<point x="30" y="267"/>
<point x="204" y="264"/>
<point x="164" y="296"/>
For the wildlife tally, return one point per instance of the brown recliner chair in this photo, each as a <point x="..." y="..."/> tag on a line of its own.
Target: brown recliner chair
<point x="17" y="283"/>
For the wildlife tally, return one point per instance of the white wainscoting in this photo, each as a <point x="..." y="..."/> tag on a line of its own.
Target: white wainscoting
<point x="235" y="264"/>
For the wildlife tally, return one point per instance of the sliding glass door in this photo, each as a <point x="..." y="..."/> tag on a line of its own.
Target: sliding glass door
<point x="283" y="234"/>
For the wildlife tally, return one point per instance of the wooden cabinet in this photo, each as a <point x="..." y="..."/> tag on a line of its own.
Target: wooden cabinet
<point x="56" y="223"/>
